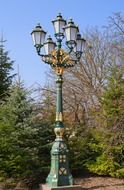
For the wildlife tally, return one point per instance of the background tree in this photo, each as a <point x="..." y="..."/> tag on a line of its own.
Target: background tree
<point x="85" y="83"/>
<point x="110" y="136"/>
<point x="98" y="76"/>
<point x="25" y="138"/>
<point x="116" y="28"/>
<point x="6" y="66"/>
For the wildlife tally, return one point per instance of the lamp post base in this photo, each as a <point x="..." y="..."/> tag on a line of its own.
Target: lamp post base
<point x="59" y="174"/>
<point x="71" y="187"/>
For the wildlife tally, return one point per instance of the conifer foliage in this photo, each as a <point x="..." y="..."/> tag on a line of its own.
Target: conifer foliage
<point x="25" y="140"/>
<point x="6" y="66"/>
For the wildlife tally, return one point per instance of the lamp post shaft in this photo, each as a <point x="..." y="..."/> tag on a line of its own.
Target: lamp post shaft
<point x="59" y="101"/>
<point x="59" y="174"/>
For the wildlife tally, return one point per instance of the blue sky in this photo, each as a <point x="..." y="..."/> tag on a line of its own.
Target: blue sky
<point x="19" y="17"/>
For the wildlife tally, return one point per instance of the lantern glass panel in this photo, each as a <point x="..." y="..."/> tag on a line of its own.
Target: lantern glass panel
<point x="79" y="46"/>
<point x="67" y="34"/>
<point x="73" y="33"/>
<point x="49" y="47"/>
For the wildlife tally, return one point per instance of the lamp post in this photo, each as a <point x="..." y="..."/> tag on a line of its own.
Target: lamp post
<point x="59" y="59"/>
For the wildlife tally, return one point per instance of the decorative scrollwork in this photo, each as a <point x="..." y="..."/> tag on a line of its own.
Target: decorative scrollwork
<point x="59" y="60"/>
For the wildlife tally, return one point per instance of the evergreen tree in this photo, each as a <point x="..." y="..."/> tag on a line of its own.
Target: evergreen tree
<point x="110" y="137"/>
<point x="113" y="105"/>
<point x="6" y="66"/>
<point x="25" y="139"/>
<point x="15" y="128"/>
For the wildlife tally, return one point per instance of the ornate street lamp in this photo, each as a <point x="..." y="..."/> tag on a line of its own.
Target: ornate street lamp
<point x="59" y="59"/>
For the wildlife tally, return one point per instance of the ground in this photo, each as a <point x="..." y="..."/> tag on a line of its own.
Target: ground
<point x="100" y="183"/>
<point x="87" y="183"/>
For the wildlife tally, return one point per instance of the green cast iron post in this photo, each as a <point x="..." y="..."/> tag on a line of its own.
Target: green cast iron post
<point x="59" y="59"/>
<point x="59" y="174"/>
